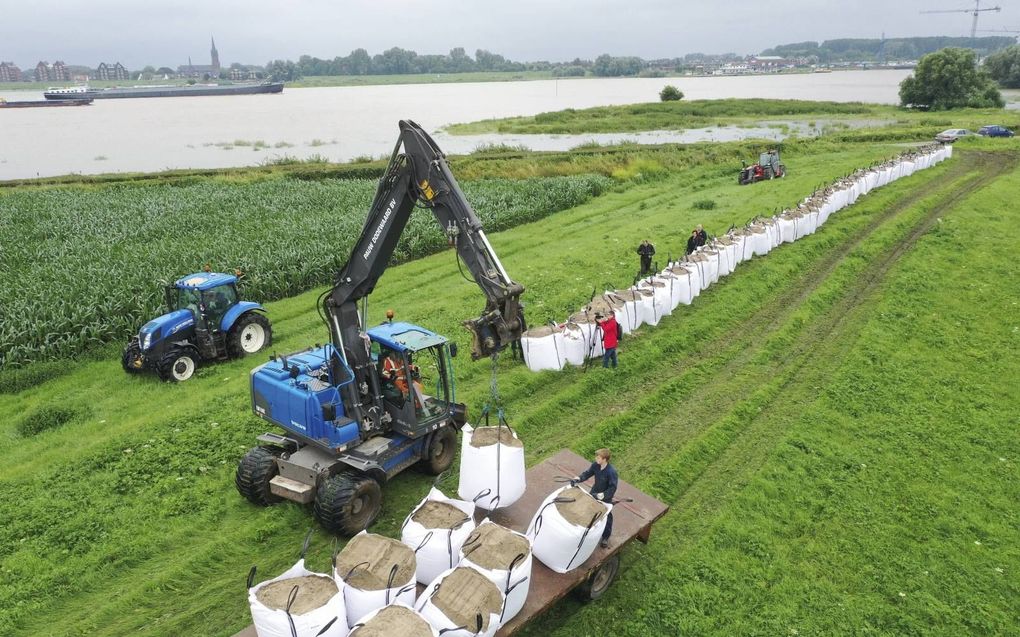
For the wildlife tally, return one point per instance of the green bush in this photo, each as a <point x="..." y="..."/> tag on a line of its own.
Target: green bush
<point x="670" y="93"/>
<point x="704" y="204"/>
<point x="14" y="381"/>
<point x="46" y="417"/>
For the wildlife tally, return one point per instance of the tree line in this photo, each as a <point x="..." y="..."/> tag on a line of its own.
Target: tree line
<point x="398" y="61"/>
<point x="863" y="49"/>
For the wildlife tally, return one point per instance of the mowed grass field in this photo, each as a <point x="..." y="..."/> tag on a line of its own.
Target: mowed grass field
<point x="833" y="425"/>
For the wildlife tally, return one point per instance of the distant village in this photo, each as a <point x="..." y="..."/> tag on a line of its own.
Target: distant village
<point x="61" y="72"/>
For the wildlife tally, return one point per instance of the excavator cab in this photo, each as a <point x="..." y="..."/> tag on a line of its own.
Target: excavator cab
<point x="416" y="376"/>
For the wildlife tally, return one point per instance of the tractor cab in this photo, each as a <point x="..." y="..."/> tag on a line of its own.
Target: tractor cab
<point x="415" y="373"/>
<point x="206" y="295"/>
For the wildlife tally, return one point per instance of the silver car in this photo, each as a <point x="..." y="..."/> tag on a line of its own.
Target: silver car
<point x="951" y="135"/>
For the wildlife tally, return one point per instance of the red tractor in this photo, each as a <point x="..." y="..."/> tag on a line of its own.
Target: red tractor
<point x="768" y="167"/>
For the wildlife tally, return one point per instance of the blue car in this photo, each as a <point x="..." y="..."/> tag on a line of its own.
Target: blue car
<point x="995" y="131"/>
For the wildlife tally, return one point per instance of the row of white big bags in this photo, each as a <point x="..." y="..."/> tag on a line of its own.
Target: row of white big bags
<point x="476" y="577"/>
<point x="579" y="338"/>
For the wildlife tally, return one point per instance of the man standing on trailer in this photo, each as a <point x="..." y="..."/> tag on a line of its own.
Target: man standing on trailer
<point x="604" y="487"/>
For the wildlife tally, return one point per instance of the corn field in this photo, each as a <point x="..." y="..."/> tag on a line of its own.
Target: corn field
<point x="83" y="267"/>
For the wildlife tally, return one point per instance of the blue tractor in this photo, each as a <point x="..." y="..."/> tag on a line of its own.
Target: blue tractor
<point x="376" y="400"/>
<point x="205" y="322"/>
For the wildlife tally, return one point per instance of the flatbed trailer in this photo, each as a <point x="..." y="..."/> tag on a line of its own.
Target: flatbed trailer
<point x="633" y="516"/>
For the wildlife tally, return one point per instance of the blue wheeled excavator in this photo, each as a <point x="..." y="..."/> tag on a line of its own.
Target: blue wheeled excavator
<point x="376" y="400"/>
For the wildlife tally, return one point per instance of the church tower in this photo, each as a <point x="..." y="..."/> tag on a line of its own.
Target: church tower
<point x="215" y="57"/>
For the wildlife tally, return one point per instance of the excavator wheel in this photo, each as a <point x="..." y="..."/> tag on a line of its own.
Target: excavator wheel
<point x="254" y="472"/>
<point x="347" y="503"/>
<point x="442" y="449"/>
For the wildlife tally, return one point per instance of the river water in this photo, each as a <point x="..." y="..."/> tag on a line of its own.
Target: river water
<point x="343" y="123"/>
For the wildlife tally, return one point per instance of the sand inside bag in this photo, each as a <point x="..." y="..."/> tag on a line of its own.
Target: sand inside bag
<point x="392" y="621"/>
<point x="541" y="331"/>
<point x="582" y="318"/>
<point x="374" y="557"/>
<point x="487" y="436"/>
<point x="495" y="547"/>
<point x="439" y="515"/>
<point x="465" y="593"/>
<point x="628" y="295"/>
<point x="583" y="508"/>
<point x="313" y="592"/>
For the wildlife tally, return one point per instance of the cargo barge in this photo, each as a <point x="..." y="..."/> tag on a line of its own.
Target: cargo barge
<point x="78" y="101"/>
<point x="182" y="90"/>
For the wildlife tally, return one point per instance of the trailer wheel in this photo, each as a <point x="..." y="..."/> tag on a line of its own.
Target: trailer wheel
<point x="254" y="472"/>
<point x="128" y="358"/>
<point x="599" y="581"/>
<point x="347" y="503"/>
<point x="442" y="449"/>
<point x="178" y="364"/>
<point x="250" y="334"/>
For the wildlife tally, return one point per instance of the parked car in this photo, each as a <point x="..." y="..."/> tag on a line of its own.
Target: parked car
<point x="995" y="131"/>
<point x="951" y="135"/>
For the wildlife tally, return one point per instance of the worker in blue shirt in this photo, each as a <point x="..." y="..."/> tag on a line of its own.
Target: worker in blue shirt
<point x="604" y="487"/>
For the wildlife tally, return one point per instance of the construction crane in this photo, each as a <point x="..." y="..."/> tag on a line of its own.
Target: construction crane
<point x="1014" y="32"/>
<point x="976" y="10"/>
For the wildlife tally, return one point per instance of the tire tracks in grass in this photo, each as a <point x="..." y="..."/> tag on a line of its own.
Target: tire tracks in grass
<point x="837" y="323"/>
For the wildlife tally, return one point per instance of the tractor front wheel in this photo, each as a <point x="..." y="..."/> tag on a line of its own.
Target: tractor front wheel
<point x="254" y="472"/>
<point x="131" y="354"/>
<point x="347" y="503"/>
<point x="178" y="364"/>
<point x="251" y="333"/>
<point x="442" y="448"/>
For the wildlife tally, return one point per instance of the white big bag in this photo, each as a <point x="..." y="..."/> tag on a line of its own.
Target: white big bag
<point x="563" y="544"/>
<point x="495" y="468"/>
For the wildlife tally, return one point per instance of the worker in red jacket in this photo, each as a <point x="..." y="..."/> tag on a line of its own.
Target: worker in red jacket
<point x="610" y="338"/>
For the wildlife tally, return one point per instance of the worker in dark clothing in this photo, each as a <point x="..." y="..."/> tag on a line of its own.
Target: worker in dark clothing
<point x="697" y="239"/>
<point x="646" y="251"/>
<point x="603" y="488"/>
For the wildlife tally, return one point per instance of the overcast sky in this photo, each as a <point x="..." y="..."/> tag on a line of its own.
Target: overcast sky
<point x="165" y="32"/>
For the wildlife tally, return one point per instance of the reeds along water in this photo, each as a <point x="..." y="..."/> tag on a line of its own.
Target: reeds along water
<point x="578" y="339"/>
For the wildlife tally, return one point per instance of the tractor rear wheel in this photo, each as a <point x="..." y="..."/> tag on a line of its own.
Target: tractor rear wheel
<point x="347" y="503"/>
<point x="128" y="358"/>
<point x="178" y="364"/>
<point x="254" y="472"/>
<point x="442" y="449"/>
<point x="250" y="333"/>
